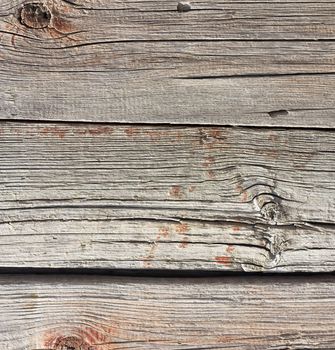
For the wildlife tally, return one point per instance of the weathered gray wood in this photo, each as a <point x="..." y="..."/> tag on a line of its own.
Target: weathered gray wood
<point x="103" y="313"/>
<point x="237" y="63"/>
<point x="135" y="197"/>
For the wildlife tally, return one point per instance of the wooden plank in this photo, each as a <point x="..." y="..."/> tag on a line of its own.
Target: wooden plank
<point x="143" y="197"/>
<point x="248" y="62"/>
<point x="102" y="313"/>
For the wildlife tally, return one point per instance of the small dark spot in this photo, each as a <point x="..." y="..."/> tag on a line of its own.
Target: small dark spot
<point x="35" y="15"/>
<point x="183" y="7"/>
<point x="279" y="113"/>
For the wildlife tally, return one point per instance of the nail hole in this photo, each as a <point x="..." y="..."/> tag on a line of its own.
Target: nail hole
<point x="279" y="113"/>
<point x="35" y="15"/>
<point x="183" y="7"/>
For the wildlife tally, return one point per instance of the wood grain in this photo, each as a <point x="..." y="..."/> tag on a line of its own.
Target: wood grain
<point x="227" y="63"/>
<point x="144" y="197"/>
<point x="101" y="313"/>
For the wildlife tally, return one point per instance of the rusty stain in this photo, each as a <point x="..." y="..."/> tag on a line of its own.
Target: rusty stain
<point x="191" y="188"/>
<point x="225" y="260"/>
<point x="154" y="135"/>
<point x="97" y="131"/>
<point x="13" y="40"/>
<point x="216" y="133"/>
<point x="54" y="131"/>
<point x="182" y="228"/>
<point x="101" y="130"/>
<point x="176" y="192"/>
<point x="84" y="338"/>
<point x="62" y="25"/>
<point x="225" y="339"/>
<point x="242" y="193"/>
<point x="162" y="232"/>
<point x="179" y="136"/>
<point x="211" y="174"/>
<point x="209" y="161"/>
<point x="184" y="243"/>
<point x="230" y="249"/>
<point x="131" y="131"/>
<point x="209" y="138"/>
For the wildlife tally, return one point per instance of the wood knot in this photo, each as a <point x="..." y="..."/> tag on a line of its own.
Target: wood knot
<point x="272" y="212"/>
<point x="183" y="7"/>
<point x="35" y="15"/>
<point x="71" y="343"/>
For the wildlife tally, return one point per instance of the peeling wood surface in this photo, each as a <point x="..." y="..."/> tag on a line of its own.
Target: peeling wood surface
<point x="143" y="197"/>
<point x="100" y="313"/>
<point x="248" y="62"/>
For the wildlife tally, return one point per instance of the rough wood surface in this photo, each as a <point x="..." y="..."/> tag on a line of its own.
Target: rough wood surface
<point x="100" y="313"/>
<point x="238" y="63"/>
<point x="140" y="197"/>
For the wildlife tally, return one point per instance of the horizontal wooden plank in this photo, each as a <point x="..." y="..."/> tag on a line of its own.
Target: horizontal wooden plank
<point x="248" y="62"/>
<point x="101" y="313"/>
<point x="143" y="197"/>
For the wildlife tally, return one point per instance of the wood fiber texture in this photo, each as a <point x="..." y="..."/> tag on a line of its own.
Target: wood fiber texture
<point x="101" y="313"/>
<point x="229" y="63"/>
<point x="191" y="198"/>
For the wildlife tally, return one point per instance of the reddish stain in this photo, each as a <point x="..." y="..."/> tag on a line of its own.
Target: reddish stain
<point x="191" y="189"/>
<point x="216" y="133"/>
<point x="101" y="131"/>
<point x="62" y="25"/>
<point x="209" y="161"/>
<point x="176" y="192"/>
<point x="154" y="135"/>
<point x="164" y="232"/>
<point x="131" y="131"/>
<point x="242" y="192"/>
<point x="54" y="131"/>
<point x="211" y="174"/>
<point x="182" y="228"/>
<point x="225" y="339"/>
<point x="178" y="136"/>
<point x="85" y="338"/>
<point x="184" y="243"/>
<point x="97" y="131"/>
<point x="13" y="40"/>
<point x="225" y="260"/>
<point x="230" y="249"/>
